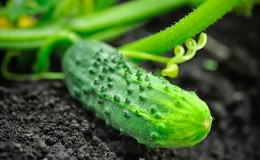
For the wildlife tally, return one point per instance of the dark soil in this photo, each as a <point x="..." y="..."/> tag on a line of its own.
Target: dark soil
<point x="40" y="120"/>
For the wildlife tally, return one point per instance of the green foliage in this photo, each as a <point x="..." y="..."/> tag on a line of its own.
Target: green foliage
<point x="123" y="15"/>
<point x="17" y="8"/>
<point x="48" y="11"/>
<point x="72" y="8"/>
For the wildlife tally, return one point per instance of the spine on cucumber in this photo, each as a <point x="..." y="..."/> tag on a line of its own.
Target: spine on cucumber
<point x="139" y="104"/>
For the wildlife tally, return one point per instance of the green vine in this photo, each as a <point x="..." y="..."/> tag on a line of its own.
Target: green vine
<point x="181" y="56"/>
<point x="43" y="57"/>
<point x="24" y="77"/>
<point x="147" y="49"/>
<point x="170" y="38"/>
<point x="197" y="21"/>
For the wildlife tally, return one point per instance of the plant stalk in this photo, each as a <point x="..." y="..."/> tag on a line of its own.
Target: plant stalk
<point x="197" y="21"/>
<point x="126" y="13"/>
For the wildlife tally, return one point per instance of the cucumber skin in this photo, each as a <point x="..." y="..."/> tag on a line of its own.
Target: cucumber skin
<point x="132" y="100"/>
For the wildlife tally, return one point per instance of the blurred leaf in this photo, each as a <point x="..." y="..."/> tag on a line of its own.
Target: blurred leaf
<point x="25" y="21"/>
<point x="72" y="8"/>
<point x="246" y="7"/>
<point x="5" y="22"/>
<point x="18" y="8"/>
<point x="103" y="4"/>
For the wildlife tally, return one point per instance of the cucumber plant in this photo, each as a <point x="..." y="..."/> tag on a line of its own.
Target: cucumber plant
<point x="127" y="97"/>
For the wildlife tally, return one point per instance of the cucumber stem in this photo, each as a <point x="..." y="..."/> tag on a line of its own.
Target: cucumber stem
<point x="43" y="57"/>
<point x="23" y="77"/>
<point x="197" y="21"/>
<point x="25" y="38"/>
<point x="144" y="56"/>
<point x="181" y="56"/>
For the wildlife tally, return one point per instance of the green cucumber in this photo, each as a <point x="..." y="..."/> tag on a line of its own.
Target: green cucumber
<point x="139" y="104"/>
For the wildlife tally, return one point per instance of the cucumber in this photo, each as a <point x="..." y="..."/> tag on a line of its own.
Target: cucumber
<point x="139" y="104"/>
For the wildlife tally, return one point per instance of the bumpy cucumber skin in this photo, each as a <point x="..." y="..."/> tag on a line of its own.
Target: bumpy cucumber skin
<point x="132" y="100"/>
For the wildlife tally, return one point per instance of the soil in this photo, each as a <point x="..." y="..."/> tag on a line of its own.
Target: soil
<point x="40" y="120"/>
